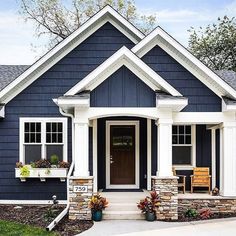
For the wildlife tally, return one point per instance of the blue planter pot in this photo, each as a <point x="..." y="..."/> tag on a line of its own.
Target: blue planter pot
<point x="150" y="216"/>
<point x="97" y="215"/>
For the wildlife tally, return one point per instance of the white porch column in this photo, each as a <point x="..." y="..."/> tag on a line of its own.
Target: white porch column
<point x="164" y="158"/>
<point x="81" y="146"/>
<point x="228" y="159"/>
<point x="213" y="158"/>
<point x="95" y="166"/>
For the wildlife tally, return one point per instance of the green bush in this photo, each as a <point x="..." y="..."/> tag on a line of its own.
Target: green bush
<point x="191" y="213"/>
<point x="54" y="159"/>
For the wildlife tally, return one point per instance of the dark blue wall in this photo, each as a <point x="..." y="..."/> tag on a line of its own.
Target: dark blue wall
<point x="102" y="150"/>
<point x="123" y="89"/>
<point x="36" y="101"/>
<point x="200" y="98"/>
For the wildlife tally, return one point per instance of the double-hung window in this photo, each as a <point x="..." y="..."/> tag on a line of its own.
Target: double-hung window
<point x="183" y="146"/>
<point x="40" y="138"/>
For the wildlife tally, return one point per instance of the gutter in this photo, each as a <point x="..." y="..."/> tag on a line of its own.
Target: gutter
<point x="65" y="211"/>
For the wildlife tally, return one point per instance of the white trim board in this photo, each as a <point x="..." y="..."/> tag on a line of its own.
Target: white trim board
<point x="107" y="14"/>
<point x="185" y="58"/>
<point x="123" y="57"/>
<point x="122" y="122"/>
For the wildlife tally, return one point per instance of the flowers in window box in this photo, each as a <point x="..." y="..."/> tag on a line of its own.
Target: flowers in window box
<point x="42" y="164"/>
<point x="54" y="160"/>
<point x="64" y="164"/>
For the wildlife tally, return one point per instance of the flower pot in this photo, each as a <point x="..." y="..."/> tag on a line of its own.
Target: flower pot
<point x="150" y="216"/>
<point x="97" y="215"/>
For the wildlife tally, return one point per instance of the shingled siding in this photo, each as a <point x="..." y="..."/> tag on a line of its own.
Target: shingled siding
<point x="123" y="89"/>
<point x="36" y="101"/>
<point x="200" y="97"/>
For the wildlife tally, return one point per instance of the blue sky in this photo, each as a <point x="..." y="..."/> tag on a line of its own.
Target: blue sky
<point x="18" y="45"/>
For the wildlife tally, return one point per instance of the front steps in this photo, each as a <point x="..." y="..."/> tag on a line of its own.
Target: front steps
<point x="123" y="205"/>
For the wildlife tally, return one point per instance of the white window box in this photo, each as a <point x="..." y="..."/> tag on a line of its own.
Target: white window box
<point x="43" y="173"/>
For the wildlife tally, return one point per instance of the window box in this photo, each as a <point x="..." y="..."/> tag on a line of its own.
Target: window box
<point x="43" y="173"/>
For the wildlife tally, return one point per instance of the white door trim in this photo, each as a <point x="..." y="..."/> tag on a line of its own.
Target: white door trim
<point x="122" y="122"/>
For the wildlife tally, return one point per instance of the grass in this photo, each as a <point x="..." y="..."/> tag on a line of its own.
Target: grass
<point x="8" y="228"/>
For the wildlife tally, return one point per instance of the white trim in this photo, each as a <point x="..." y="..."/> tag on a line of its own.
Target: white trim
<point x="123" y="122"/>
<point x="193" y="151"/>
<point x="107" y="14"/>
<point x="2" y="111"/>
<point x="65" y="103"/>
<point x="123" y="57"/>
<point x="95" y="158"/>
<point x="43" y="121"/>
<point x="31" y="202"/>
<point x="185" y="58"/>
<point x="149" y="154"/>
<point x="174" y="104"/>
<point x="213" y="158"/>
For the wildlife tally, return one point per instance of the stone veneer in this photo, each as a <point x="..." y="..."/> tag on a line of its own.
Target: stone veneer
<point x="79" y="202"/>
<point x="167" y="188"/>
<point x="217" y="205"/>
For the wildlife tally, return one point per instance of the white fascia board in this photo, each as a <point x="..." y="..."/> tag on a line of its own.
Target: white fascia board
<point x="152" y="39"/>
<point x="107" y="14"/>
<point x="73" y="102"/>
<point x="2" y="112"/>
<point x="123" y="57"/>
<point x="174" y="104"/>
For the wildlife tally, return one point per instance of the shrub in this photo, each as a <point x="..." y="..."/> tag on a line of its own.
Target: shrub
<point x="54" y="159"/>
<point x="205" y="214"/>
<point x="149" y="204"/>
<point x="191" y="213"/>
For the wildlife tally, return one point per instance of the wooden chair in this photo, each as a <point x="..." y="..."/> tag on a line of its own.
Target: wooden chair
<point x="201" y="178"/>
<point x="181" y="180"/>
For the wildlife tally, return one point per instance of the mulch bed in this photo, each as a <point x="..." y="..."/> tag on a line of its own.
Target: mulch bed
<point x="182" y="218"/>
<point x="41" y="216"/>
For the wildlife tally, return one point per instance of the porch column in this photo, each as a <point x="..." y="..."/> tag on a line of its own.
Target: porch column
<point x="228" y="159"/>
<point x="213" y="158"/>
<point x="81" y="148"/>
<point x="164" y="139"/>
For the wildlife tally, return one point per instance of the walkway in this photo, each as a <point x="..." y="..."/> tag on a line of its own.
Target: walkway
<point x="219" y="227"/>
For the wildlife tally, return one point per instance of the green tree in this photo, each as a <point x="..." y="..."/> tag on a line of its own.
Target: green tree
<point x="58" y="18"/>
<point x="215" y="45"/>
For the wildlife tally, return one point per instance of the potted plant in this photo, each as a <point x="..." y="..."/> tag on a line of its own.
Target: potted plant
<point x="148" y="206"/>
<point x="97" y="204"/>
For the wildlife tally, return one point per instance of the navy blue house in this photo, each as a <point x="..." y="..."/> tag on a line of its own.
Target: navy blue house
<point x="119" y="106"/>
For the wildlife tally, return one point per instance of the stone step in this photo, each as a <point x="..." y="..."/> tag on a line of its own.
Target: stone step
<point x="122" y="206"/>
<point x="122" y="215"/>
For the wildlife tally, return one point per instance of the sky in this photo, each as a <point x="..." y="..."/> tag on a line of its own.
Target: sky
<point x="20" y="46"/>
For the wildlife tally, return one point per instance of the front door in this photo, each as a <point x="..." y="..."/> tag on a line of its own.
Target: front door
<point x="122" y="156"/>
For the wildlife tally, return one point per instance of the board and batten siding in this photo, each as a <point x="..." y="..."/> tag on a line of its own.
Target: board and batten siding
<point x="123" y="89"/>
<point x="200" y="97"/>
<point x="36" y="101"/>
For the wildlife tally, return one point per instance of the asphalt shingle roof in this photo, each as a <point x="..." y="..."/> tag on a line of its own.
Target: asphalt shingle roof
<point x="8" y="73"/>
<point x="228" y="76"/>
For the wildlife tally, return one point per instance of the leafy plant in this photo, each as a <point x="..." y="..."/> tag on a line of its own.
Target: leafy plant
<point x="205" y="214"/>
<point x="149" y="204"/>
<point x="64" y="164"/>
<point x="19" y="164"/>
<point x="54" y="159"/>
<point x="98" y="203"/>
<point x="42" y="164"/>
<point x="191" y="213"/>
<point x="24" y="171"/>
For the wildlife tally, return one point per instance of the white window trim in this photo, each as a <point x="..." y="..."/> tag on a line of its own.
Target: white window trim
<point x="43" y="121"/>
<point x="122" y="122"/>
<point x="193" y="145"/>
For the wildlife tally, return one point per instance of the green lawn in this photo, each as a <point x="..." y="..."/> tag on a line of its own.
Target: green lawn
<point x="8" y="228"/>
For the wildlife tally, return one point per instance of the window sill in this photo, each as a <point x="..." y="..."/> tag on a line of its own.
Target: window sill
<point x="43" y="174"/>
<point x="182" y="167"/>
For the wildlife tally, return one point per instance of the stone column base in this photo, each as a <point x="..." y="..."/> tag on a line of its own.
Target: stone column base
<point x="167" y="188"/>
<point x="79" y="197"/>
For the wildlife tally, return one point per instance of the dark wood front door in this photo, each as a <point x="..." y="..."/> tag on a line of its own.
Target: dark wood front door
<point x="122" y="154"/>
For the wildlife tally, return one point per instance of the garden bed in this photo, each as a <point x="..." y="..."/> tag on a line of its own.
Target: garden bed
<point x="40" y="216"/>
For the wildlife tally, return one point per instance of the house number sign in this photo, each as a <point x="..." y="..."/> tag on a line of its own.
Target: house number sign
<point x="80" y="189"/>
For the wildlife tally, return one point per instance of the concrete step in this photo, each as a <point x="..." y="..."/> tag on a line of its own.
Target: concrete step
<point x="122" y="215"/>
<point x="122" y="206"/>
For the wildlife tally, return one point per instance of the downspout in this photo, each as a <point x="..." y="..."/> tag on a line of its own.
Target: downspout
<point x="65" y="211"/>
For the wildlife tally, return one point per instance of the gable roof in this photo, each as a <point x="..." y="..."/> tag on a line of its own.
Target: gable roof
<point x="107" y="14"/>
<point x="123" y="57"/>
<point x="8" y="73"/>
<point x="186" y="59"/>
